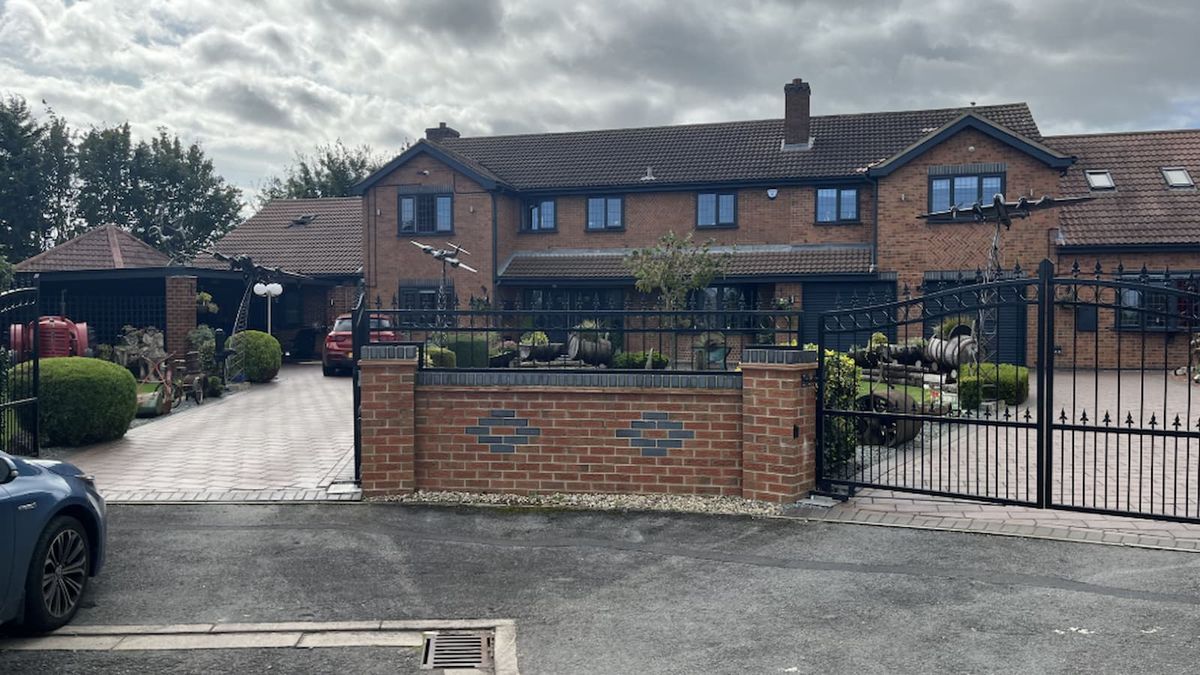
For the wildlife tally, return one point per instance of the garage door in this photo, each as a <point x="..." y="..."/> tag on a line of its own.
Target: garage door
<point x="1011" y="324"/>
<point x="823" y="296"/>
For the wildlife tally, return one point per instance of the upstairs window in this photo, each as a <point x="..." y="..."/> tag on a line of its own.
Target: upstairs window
<point x="539" y="216"/>
<point x="426" y="214"/>
<point x="716" y="209"/>
<point x="963" y="191"/>
<point x="605" y="213"/>
<point x="1178" y="177"/>
<point x="1100" y="179"/>
<point x="837" y="205"/>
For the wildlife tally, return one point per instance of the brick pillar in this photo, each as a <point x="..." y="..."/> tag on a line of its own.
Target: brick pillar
<point x="180" y="299"/>
<point x="779" y="406"/>
<point x="387" y="378"/>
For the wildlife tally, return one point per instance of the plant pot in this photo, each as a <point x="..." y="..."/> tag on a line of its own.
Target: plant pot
<point x="547" y="352"/>
<point x="503" y="359"/>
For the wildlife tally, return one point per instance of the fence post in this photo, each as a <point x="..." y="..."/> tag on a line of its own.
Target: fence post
<point x="36" y="441"/>
<point x="1045" y="383"/>
<point x="819" y="423"/>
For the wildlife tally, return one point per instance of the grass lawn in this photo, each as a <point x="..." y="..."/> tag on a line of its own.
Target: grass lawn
<point x="917" y="393"/>
<point x="146" y="387"/>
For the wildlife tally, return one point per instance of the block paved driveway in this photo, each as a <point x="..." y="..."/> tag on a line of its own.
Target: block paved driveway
<point x="1141" y="473"/>
<point x="291" y="439"/>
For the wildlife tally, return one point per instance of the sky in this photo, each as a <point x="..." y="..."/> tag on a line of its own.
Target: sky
<point x="256" y="81"/>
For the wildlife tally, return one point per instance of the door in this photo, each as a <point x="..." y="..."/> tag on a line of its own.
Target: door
<point x="822" y="296"/>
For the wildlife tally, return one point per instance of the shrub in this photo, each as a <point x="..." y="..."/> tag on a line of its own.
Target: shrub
<point x="535" y="338"/>
<point x="261" y="354"/>
<point x="203" y="341"/>
<point x="961" y="324"/>
<point x="1009" y="383"/>
<point x="637" y="360"/>
<point x="82" y="400"/>
<point x="470" y="349"/>
<point x="841" y="393"/>
<point x="439" y="357"/>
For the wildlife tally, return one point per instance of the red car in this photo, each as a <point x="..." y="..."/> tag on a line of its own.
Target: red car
<point x="338" y="352"/>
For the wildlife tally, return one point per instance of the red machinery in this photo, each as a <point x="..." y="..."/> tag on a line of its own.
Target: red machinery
<point x="57" y="336"/>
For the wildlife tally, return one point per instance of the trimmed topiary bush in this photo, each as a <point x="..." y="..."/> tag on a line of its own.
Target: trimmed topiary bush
<point x="470" y="349"/>
<point x="261" y="354"/>
<point x="82" y="400"/>
<point x="1008" y="382"/>
<point x="439" y="357"/>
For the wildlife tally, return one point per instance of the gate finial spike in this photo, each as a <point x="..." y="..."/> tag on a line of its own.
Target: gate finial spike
<point x="1017" y="271"/>
<point x="1144" y="275"/>
<point x="1062" y="416"/>
<point x="1177" y="423"/>
<point x="1120" y="268"/>
<point x="978" y="275"/>
<point x="1153" y="420"/>
<point x="1107" y="418"/>
<point x="1129" y="419"/>
<point x="1075" y="268"/>
<point x="1083" y="418"/>
<point x="1099" y="270"/>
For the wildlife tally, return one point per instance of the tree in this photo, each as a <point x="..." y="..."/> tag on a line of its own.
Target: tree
<point x="331" y="171"/>
<point x="21" y="191"/>
<point x="164" y="193"/>
<point x="676" y="267"/>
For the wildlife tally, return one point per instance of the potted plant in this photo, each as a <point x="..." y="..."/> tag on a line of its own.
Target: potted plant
<point x="589" y="343"/>
<point x="709" y="351"/>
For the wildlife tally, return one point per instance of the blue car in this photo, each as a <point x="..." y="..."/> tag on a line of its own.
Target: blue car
<point x="52" y="533"/>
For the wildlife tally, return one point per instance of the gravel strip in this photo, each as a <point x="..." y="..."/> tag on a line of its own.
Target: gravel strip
<point x="599" y="502"/>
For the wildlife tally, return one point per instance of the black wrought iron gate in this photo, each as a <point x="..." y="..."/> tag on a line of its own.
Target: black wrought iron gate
<point x="19" y="374"/>
<point x="1102" y="420"/>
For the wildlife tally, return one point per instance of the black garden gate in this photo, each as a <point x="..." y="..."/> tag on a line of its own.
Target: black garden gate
<point x="1102" y="419"/>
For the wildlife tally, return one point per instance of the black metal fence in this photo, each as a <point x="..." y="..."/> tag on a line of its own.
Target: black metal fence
<point x="580" y="338"/>
<point x="1101" y="420"/>
<point x="19" y="373"/>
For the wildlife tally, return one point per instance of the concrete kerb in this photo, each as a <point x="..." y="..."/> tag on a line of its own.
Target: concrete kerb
<point x="980" y="527"/>
<point x="291" y="634"/>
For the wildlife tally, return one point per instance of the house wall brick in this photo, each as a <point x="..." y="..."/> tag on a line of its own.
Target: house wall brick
<point x="180" y="299"/>
<point x="389" y="257"/>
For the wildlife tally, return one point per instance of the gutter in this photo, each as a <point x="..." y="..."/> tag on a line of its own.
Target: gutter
<point x="495" y="245"/>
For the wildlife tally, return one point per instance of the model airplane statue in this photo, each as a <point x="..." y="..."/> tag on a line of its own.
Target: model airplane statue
<point x="1002" y="212"/>
<point x="447" y="256"/>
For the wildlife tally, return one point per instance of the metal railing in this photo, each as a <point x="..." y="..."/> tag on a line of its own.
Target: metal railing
<point x="577" y="338"/>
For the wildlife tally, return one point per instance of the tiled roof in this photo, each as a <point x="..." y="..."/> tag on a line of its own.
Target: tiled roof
<point x="844" y="145"/>
<point x="106" y="247"/>
<point x="755" y="260"/>
<point x="329" y="244"/>
<point x="1142" y="210"/>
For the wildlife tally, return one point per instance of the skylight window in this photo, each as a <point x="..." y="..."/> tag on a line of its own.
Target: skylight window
<point x="1178" y="177"/>
<point x="1100" y="180"/>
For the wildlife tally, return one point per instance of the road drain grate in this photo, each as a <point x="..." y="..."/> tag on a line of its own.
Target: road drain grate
<point x="457" y="650"/>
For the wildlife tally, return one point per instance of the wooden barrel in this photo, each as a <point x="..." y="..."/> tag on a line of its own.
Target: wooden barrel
<point x="594" y="351"/>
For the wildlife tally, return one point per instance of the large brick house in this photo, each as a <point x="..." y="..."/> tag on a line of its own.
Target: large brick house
<point x="814" y="208"/>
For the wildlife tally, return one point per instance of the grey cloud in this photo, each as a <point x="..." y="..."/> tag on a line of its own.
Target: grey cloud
<point x="249" y="104"/>
<point x="261" y="80"/>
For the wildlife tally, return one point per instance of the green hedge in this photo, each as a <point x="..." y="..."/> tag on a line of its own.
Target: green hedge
<point x="470" y="349"/>
<point x="1007" y="382"/>
<point x="261" y="354"/>
<point x="82" y="400"/>
<point x="637" y="360"/>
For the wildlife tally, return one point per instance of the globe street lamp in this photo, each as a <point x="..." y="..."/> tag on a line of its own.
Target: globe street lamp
<point x="268" y="291"/>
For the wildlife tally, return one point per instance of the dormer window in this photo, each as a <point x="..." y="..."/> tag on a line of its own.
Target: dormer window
<point x="1100" y="179"/>
<point x="1178" y="177"/>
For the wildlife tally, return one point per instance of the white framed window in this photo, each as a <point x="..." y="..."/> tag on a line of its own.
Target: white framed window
<point x="1177" y="176"/>
<point x="1100" y="179"/>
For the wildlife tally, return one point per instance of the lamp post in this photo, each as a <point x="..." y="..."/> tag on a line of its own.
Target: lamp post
<point x="268" y="291"/>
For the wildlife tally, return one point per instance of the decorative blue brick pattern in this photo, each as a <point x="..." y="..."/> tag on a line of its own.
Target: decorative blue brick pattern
<point x="485" y="431"/>
<point x="655" y="447"/>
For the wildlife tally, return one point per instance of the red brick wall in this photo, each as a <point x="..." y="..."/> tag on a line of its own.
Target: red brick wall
<point x="757" y="441"/>
<point x="577" y="441"/>
<point x="181" y="312"/>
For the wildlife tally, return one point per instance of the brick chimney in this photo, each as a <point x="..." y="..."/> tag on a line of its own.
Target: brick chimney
<point x="441" y="132"/>
<point x="796" y="130"/>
